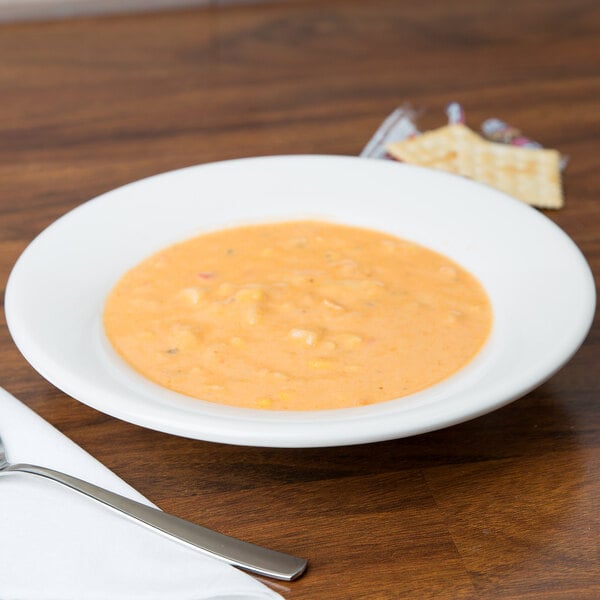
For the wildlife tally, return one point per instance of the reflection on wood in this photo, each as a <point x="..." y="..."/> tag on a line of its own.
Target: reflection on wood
<point x="38" y="10"/>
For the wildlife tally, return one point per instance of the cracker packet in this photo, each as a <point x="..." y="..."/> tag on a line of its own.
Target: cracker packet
<point x="511" y="163"/>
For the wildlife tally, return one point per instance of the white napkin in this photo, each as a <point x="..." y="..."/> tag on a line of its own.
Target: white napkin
<point x="56" y="544"/>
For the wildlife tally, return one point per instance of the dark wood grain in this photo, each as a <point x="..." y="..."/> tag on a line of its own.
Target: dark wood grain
<point x="504" y="506"/>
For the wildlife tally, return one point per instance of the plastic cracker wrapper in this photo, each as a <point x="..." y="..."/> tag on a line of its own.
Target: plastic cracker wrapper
<point x="511" y="162"/>
<point x="399" y="125"/>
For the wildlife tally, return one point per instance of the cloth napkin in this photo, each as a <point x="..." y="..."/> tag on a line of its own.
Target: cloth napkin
<point x="59" y="545"/>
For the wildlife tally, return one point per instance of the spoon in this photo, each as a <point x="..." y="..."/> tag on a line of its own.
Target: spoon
<point x="244" y="555"/>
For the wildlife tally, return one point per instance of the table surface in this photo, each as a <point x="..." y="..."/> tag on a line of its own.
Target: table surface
<point x="503" y="506"/>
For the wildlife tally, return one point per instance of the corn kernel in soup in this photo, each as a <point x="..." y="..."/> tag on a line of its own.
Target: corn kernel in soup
<point x="299" y="315"/>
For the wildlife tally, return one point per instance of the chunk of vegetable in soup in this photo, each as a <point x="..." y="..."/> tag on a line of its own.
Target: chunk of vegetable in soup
<point x="297" y="316"/>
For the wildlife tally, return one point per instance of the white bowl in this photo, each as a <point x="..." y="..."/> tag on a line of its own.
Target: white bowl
<point x="540" y="286"/>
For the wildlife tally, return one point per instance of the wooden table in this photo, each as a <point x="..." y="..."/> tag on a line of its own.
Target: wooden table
<point x="504" y="506"/>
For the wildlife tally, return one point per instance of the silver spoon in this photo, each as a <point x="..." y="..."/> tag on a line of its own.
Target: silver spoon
<point x="244" y="555"/>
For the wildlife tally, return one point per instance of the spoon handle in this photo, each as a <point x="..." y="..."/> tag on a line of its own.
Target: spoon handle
<point x="244" y="555"/>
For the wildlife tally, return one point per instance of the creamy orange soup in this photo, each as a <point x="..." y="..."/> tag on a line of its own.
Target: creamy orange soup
<point x="297" y="316"/>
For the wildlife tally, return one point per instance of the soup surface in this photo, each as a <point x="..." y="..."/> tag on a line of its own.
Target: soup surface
<point x="299" y="315"/>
